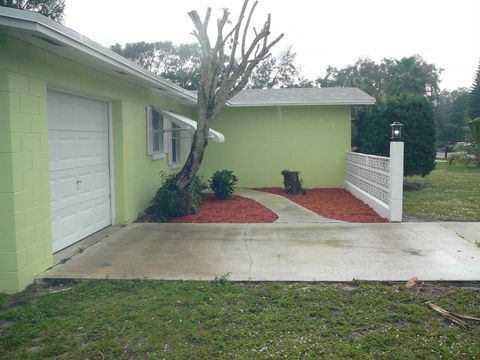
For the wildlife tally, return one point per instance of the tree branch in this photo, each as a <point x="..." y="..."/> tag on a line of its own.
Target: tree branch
<point x="247" y="25"/>
<point x="233" y="51"/>
<point x="236" y="73"/>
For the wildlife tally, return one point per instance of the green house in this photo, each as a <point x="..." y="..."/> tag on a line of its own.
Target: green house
<point x="85" y="134"/>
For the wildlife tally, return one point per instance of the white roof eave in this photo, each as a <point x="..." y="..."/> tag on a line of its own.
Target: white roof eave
<point x="26" y="20"/>
<point x="325" y="103"/>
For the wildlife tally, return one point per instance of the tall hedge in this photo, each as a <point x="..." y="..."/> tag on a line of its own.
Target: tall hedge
<point x="416" y="114"/>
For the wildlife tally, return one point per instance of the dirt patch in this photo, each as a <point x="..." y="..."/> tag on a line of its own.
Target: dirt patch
<point x="234" y="210"/>
<point x="5" y="324"/>
<point x="337" y="204"/>
<point x="413" y="186"/>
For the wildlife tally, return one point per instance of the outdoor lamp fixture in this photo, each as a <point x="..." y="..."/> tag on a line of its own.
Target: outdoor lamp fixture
<point x="396" y="131"/>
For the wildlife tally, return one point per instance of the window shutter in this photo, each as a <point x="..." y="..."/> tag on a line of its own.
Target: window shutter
<point x="149" y="130"/>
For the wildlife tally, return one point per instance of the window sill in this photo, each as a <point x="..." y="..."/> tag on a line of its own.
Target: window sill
<point x="157" y="156"/>
<point x="176" y="165"/>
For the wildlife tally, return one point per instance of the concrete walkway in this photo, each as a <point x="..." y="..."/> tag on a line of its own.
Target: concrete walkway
<point x="286" y="210"/>
<point x="271" y="252"/>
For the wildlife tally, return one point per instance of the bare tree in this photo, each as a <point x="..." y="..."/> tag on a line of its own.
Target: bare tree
<point x="222" y="75"/>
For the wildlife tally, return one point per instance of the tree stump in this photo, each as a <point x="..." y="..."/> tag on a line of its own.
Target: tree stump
<point x="292" y="183"/>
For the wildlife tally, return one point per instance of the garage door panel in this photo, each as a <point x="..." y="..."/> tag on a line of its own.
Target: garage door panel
<point x="92" y="148"/>
<point x="73" y="186"/>
<point x="79" y="167"/>
<point x="94" y="182"/>
<point x="68" y="112"/>
<point x="64" y="229"/>
<point x="93" y="213"/>
<point x="72" y="149"/>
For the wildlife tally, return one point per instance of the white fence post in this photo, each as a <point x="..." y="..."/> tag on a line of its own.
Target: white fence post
<point x="396" y="181"/>
<point x="378" y="181"/>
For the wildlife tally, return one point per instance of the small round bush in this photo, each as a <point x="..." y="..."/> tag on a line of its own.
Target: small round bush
<point x="170" y="201"/>
<point x="223" y="183"/>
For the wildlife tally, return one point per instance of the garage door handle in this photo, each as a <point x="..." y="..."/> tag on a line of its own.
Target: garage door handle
<point x="79" y="181"/>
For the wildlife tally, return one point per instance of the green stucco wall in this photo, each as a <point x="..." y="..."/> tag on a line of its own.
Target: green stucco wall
<point x="26" y="72"/>
<point x="262" y="141"/>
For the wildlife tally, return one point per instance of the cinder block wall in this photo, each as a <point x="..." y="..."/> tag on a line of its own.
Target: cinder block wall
<point x="26" y="72"/>
<point x="25" y="224"/>
<point x="262" y="141"/>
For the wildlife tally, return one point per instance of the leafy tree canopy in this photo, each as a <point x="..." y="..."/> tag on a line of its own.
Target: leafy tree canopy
<point x="451" y="115"/>
<point x="475" y="95"/>
<point x="391" y="77"/>
<point x="278" y="72"/>
<point x="177" y="63"/>
<point x="181" y="65"/>
<point x="53" y="9"/>
<point x="415" y="112"/>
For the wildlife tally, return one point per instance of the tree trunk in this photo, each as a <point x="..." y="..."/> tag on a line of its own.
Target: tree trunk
<point x="192" y="164"/>
<point x="292" y="182"/>
<point x="222" y="76"/>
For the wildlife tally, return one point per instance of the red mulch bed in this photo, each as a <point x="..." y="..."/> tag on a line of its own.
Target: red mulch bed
<point x="337" y="204"/>
<point x="234" y="210"/>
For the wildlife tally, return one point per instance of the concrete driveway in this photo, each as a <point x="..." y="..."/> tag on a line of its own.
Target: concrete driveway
<point x="271" y="252"/>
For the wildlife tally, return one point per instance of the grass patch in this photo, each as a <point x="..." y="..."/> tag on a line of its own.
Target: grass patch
<point x="449" y="193"/>
<point x="225" y="320"/>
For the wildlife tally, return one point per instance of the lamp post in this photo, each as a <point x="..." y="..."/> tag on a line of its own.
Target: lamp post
<point x="396" y="172"/>
<point x="396" y="130"/>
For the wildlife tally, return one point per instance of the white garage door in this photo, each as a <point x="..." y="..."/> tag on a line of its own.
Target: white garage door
<point x="79" y="167"/>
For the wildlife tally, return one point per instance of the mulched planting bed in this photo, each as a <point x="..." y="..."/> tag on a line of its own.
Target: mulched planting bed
<point x="337" y="204"/>
<point x="234" y="210"/>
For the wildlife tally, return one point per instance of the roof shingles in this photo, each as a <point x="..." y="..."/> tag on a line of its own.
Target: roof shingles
<point x="302" y="96"/>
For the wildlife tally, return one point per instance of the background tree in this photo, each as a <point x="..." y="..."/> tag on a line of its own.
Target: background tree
<point x="364" y="74"/>
<point x="474" y="139"/>
<point x="181" y="65"/>
<point x="391" y="77"/>
<point x="177" y="63"/>
<point x="53" y="9"/>
<point x="411" y="75"/>
<point x="451" y="115"/>
<point x="415" y="112"/>
<point x="278" y="72"/>
<point x="475" y="95"/>
<point x="220" y="80"/>
<point x="390" y="80"/>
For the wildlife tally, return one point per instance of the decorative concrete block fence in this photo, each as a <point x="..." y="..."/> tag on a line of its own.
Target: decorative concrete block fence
<point x="378" y="180"/>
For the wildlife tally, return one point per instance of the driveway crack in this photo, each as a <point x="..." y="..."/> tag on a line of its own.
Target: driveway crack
<point x="245" y="239"/>
<point x="456" y="233"/>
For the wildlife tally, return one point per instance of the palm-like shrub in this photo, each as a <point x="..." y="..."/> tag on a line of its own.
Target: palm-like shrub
<point x="223" y="183"/>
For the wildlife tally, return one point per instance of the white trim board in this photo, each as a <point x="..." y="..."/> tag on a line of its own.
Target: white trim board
<point x="379" y="206"/>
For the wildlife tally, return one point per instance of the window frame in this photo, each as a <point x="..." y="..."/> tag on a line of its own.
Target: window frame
<point x="175" y="135"/>
<point x="151" y="132"/>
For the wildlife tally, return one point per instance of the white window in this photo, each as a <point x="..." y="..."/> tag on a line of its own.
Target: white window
<point x="175" y="144"/>
<point x="155" y="133"/>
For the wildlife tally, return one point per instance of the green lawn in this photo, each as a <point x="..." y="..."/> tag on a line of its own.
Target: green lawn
<point x="451" y="193"/>
<point x="225" y="320"/>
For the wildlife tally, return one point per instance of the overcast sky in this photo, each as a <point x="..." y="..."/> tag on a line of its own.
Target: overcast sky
<point x="333" y="32"/>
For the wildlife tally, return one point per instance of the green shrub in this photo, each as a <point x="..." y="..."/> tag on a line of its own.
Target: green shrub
<point x="416" y="114"/>
<point x="223" y="183"/>
<point x="3" y="300"/>
<point x="170" y="201"/>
